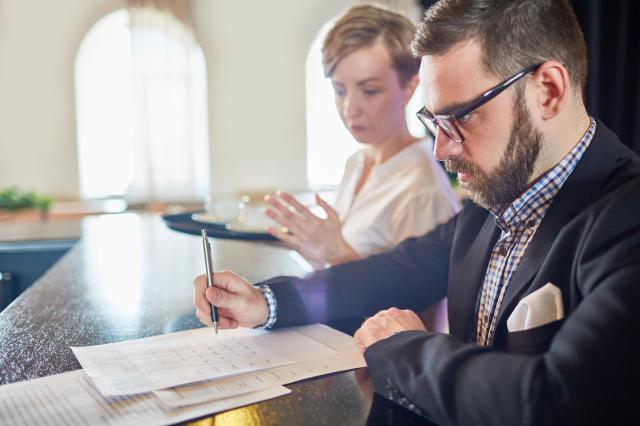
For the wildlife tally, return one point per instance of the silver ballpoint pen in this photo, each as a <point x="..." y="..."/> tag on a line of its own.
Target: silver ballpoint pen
<point x="208" y="263"/>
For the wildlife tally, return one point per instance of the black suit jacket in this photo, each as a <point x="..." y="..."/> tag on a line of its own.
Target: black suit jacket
<point x="579" y="370"/>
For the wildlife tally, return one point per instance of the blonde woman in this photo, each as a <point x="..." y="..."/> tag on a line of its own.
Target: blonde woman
<point x="393" y="188"/>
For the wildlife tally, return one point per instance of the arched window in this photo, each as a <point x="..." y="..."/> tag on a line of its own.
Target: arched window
<point x="141" y="109"/>
<point x="329" y="143"/>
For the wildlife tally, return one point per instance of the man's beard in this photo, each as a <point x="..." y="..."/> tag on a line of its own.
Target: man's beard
<point x="511" y="177"/>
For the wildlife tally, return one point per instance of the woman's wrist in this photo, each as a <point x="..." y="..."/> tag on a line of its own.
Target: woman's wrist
<point x="344" y="253"/>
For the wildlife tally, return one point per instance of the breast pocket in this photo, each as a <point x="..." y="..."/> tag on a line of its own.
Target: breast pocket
<point x="534" y="341"/>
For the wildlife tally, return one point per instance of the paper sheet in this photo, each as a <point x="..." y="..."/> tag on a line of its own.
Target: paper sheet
<point x="159" y="362"/>
<point x="349" y="357"/>
<point x="70" y="399"/>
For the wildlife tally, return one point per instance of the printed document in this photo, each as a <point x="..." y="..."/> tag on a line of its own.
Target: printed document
<point x="348" y="357"/>
<point x="70" y="399"/>
<point x="159" y="362"/>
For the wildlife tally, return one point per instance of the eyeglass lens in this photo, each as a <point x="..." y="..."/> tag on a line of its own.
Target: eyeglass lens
<point x="449" y="129"/>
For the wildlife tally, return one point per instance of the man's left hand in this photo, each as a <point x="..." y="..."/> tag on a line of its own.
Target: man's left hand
<point x="384" y="324"/>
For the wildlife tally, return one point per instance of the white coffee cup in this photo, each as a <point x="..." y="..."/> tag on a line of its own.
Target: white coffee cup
<point x="225" y="207"/>
<point x="254" y="216"/>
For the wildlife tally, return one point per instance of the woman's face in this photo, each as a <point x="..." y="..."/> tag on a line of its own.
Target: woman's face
<point x="369" y="97"/>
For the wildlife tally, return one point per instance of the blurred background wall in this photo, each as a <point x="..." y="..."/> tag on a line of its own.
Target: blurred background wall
<point x="255" y="53"/>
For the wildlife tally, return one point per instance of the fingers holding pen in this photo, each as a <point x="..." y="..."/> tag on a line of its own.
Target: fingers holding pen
<point x="225" y="284"/>
<point x="225" y="319"/>
<point x="237" y="302"/>
<point x="219" y="297"/>
<point x="203" y="311"/>
<point x="226" y="323"/>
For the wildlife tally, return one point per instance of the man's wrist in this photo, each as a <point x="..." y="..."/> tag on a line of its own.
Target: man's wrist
<point x="270" y="300"/>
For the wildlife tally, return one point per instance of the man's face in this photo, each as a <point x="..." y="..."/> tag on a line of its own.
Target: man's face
<point x="496" y="160"/>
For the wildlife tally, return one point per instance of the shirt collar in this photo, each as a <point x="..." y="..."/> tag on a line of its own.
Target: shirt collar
<point x="527" y="210"/>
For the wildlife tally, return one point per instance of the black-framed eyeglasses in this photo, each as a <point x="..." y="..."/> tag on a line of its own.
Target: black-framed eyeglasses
<point x="447" y="122"/>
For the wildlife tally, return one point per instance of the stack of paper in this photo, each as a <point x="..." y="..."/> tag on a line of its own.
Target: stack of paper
<point x="178" y="376"/>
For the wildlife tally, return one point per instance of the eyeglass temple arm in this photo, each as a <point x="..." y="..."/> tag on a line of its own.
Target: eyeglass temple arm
<point x="494" y="91"/>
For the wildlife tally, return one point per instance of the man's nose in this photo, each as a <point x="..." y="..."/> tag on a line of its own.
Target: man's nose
<point x="445" y="148"/>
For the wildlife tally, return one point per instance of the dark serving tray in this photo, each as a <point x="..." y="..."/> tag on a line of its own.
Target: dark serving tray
<point x="183" y="222"/>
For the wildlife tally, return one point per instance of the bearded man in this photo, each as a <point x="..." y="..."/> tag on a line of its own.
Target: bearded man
<point x="541" y="271"/>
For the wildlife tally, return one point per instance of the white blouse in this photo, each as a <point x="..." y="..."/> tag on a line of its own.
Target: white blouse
<point x="406" y="196"/>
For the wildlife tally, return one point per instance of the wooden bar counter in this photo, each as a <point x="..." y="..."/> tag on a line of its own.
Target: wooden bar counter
<point x="128" y="277"/>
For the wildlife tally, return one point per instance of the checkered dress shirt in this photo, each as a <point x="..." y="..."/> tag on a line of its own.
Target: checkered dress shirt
<point x="518" y="222"/>
<point x="271" y="304"/>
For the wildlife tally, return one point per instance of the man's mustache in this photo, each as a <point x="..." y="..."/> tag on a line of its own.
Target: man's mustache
<point x="459" y="166"/>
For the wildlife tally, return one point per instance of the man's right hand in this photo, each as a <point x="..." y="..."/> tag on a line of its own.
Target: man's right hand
<point x="239" y="303"/>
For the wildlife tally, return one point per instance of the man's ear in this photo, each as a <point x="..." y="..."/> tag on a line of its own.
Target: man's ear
<point x="552" y="87"/>
<point x="410" y="88"/>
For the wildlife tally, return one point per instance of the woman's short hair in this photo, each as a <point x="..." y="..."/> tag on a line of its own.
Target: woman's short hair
<point x="362" y="26"/>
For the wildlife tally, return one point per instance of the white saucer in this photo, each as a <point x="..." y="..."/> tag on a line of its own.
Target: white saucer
<point x="209" y="218"/>
<point x="251" y="226"/>
<point x="244" y="227"/>
<point x="252" y="219"/>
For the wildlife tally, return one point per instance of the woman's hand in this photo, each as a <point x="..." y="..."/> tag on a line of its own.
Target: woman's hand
<point x="318" y="240"/>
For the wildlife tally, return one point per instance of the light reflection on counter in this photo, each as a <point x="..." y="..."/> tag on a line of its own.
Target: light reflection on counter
<point x="138" y="268"/>
<point x="115" y="264"/>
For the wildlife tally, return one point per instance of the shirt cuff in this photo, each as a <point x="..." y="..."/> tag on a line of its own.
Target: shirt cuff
<point x="270" y="298"/>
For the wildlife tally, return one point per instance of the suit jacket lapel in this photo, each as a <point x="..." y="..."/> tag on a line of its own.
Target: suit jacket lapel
<point x="468" y="278"/>
<point x="583" y="184"/>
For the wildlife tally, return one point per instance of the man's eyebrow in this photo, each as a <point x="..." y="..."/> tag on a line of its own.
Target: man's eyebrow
<point x="454" y="106"/>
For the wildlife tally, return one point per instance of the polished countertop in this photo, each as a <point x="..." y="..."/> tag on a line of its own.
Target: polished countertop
<point x="128" y="277"/>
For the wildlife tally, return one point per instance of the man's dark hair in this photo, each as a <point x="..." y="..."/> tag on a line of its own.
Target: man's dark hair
<point x="513" y="34"/>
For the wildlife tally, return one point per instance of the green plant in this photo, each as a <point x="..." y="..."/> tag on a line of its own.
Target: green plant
<point x="14" y="198"/>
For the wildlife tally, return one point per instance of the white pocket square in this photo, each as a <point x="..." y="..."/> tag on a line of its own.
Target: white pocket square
<point x="538" y="308"/>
